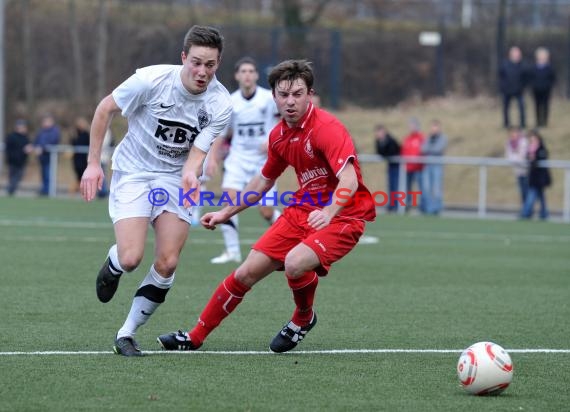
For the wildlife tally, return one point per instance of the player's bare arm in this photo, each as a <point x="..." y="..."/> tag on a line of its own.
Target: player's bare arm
<point x="92" y="179"/>
<point x="191" y="172"/>
<point x="216" y="156"/>
<point x="257" y="185"/>
<point x="348" y="182"/>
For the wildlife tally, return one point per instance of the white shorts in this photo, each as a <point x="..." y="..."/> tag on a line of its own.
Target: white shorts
<point x="145" y="195"/>
<point x="239" y="172"/>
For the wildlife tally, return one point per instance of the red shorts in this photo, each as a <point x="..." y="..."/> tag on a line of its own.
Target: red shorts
<point x="330" y="244"/>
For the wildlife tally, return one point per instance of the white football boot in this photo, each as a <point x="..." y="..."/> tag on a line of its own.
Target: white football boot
<point x="226" y="257"/>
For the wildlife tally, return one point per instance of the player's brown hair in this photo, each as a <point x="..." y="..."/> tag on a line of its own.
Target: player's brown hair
<point x="291" y="70"/>
<point x="203" y="36"/>
<point x="245" y="60"/>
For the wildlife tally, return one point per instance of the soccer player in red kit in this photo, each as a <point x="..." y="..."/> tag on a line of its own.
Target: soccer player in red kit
<point x="323" y="222"/>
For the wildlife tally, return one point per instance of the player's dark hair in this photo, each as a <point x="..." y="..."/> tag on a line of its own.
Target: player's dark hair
<point x="245" y="60"/>
<point x="203" y="36"/>
<point x="291" y="70"/>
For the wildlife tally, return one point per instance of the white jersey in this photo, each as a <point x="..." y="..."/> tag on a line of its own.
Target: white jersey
<point x="252" y="120"/>
<point x="165" y="119"/>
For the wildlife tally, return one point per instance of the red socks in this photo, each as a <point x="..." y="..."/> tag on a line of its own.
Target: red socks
<point x="230" y="293"/>
<point x="303" y="288"/>
<point x="225" y="299"/>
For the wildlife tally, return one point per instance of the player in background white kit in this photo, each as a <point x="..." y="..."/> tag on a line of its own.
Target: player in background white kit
<point x="174" y="113"/>
<point x="254" y="115"/>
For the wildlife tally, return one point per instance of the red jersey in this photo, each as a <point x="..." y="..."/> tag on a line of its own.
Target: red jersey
<point x="412" y="146"/>
<point x="318" y="148"/>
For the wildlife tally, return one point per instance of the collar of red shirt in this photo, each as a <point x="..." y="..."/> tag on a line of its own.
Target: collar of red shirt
<point x="302" y="121"/>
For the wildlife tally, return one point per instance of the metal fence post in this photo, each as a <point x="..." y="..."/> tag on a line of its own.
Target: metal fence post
<point x="482" y="206"/>
<point x="566" y="201"/>
<point x="335" y="68"/>
<point x="440" y="60"/>
<point x="53" y="159"/>
<point x="568" y="65"/>
<point x="402" y="184"/>
<point x="275" y="33"/>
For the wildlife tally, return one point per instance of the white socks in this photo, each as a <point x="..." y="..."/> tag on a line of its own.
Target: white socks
<point x="231" y="235"/>
<point x="115" y="266"/>
<point x="276" y="214"/>
<point x="150" y="294"/>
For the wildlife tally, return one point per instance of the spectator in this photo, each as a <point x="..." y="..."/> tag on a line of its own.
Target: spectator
<point x="387" y="146"/>
<point x="512" y="81"/>
<point x="412" y="146"/>
<point x="80" y="143"/>
<point x="17" y="149"/>
<point x="538" y="177"/>
<point x="516" y="152"/>
<point x="542" y="78"/>
<point x="432" y="188"/>
<point x="48" y="135"/>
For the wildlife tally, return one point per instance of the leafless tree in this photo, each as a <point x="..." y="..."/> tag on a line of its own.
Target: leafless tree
<point x="297" y="16"/>
<point x="293" y="16"/>
<point x="101" y="57"/>
<point x="78" y="73"/>
<point x="28" y="56"/>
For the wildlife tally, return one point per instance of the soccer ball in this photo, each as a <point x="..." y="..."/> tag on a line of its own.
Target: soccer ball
<point x="485" y="368"/>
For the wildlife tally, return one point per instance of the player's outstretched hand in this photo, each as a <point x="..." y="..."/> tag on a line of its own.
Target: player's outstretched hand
<point x="318" y="219"/>
<point x="91" y="181"/>
<point x="211" y="219"/>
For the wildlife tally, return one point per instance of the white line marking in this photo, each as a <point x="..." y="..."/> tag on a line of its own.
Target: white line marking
<point x="56" y="224"/>
<point x="94" y="239"/>
<point x="478" y="236"/>
<point x="503" y="237"/>
<point x="507" y="239"/>
<point x="301" y="352"/>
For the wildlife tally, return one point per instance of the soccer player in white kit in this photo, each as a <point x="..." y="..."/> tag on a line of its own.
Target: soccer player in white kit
<point x="254" y="115"/>
<point x="174" y="113"/>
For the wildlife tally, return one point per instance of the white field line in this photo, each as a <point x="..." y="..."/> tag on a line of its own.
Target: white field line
<point x="260" y="229"/>
<point x="55" y="224"/>
<point x="301" y="352"/>
<point x="44" y="223"/>
<point x="95" y="239"/>
<point x="478" y="236"/>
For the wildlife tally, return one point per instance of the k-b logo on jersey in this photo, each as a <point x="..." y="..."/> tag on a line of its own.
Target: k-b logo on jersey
<point x="176" y="132"/>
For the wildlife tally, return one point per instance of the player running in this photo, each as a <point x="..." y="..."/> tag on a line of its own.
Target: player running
<point x="174" y="112"/>
<point x="254" y="115"/>
<point x="314" y="232"/>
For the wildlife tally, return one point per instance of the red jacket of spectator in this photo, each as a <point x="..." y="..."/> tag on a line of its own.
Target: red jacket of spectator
<point x="412" y="146"/>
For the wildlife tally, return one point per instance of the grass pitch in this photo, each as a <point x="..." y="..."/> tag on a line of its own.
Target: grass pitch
<point x="428" y="284"/>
